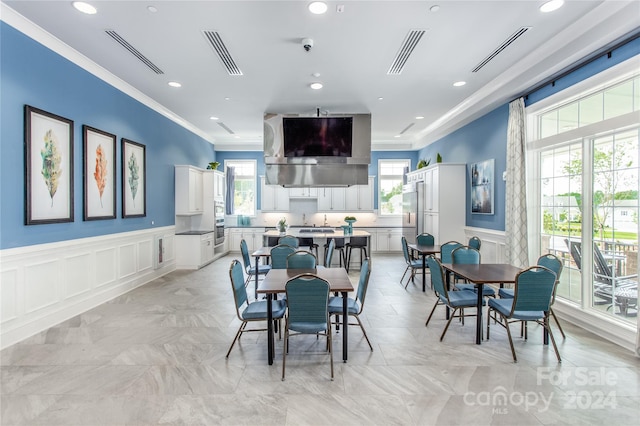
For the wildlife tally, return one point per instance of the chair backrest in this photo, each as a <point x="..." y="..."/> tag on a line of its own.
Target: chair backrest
<point x="534" y="289"/>
<point x="307" y="302"/>
<point x="601" y="269"/>
<point x="405" y="250"/>
<point x="302" y="259"/>
<point x="279" y="256"/>
<point x="245" y="254"/>
<point x="236" y="275"/>
<point x="329" y="256"/>
<point x="289" y="240"/>
<point x="363" y="282"/>
<point x="425" y="239"/>
<point x="575" y="248"/>
<point x="465" y="255"/>
<point x="446" y="249"/>
<point x="474" y="242"/>
<point x="358" y="241"/>
<point x="437" y="276"/>
<point x="272" y="241"/>
<point x="552" y="262"/>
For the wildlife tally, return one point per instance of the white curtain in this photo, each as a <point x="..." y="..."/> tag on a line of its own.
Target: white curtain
<point x="517" y="252"/>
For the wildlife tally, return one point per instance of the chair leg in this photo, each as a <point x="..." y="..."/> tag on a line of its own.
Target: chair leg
<point x="240" y="330"/>
<point x="330" y="343"/>
<point x="553" y="341"/>
<point x="488" y="320"/>
<point x="285" y="349"/>
<point x="364" y="332"/>
<point x="557" y="323"/>
<point x="446" y="327"/>
<point x="432" y="311"/>
<point x="513" y="350"/>
<point x="405" y="273"/>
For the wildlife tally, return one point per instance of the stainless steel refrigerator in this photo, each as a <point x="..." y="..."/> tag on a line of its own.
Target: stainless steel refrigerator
<point x="412" y="210"/>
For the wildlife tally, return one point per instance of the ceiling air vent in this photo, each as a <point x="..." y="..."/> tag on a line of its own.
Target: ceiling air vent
<point x="124" y="43"/>
<point x="224" y="126"/>
<point x="410" y="42"/>
<point x="406" y="128"/>
<point x="503" y="46"/>
<point x="215" y="41"/>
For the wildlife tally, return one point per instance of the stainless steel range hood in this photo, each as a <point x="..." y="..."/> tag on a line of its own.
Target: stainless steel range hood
<point x="316" y="171"/>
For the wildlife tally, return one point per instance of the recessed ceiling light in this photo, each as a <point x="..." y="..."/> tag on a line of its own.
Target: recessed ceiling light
<point x="397" y="136"/>
<point x="552" y="5"/>
<point x="213" y="118"/>
<point x="152" y="9"/>
<point x="380" y="98"/>
<point x="237" y="137"/>
<point x="85" y="7"/>
<point x="227" y="98"/>
<point x="434" y="8"/>
<point x="459" y="83"/>
<point x="317" y="7"/>
<point x="419" y="117"/>
<point x="174" y="84"/>
<point x="316" y="86"/>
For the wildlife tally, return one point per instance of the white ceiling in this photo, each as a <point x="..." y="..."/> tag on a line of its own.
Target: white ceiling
<point x="352" y="52"/>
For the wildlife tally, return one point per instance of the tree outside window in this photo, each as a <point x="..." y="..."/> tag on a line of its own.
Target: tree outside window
<point x="390" y="179"/>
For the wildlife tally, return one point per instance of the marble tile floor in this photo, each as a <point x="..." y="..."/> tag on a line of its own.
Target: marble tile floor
<point x="156" y="355"/>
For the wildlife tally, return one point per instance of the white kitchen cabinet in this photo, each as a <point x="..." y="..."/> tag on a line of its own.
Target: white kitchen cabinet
<point x="359" y="198"/>
<point x="194" y="251"/>
<point x="253" y="237"/>
<point x="274" y="198"/>
<point x="389" y="240"/>
<point x="444" y="201"/>
<point x="331" y="199"/>
<point x="218" y="187"/>
<point x="305" y="192"/>
<point x="189" y="192"/>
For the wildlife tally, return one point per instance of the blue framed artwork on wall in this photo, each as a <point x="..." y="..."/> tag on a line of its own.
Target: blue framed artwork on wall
<point x="482" y="190"/>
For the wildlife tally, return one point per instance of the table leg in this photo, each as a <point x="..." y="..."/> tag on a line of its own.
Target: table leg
<point x="424" y="272"/>
<point x="345" y="326"/>
<point x="270" y="342"/>
<point x="256" y="290"/>
<point x="479" y="315"/>
<point x="447" y="281"/>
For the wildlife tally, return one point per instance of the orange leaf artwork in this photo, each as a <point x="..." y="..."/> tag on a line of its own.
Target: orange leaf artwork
<point x="100" y="175"/>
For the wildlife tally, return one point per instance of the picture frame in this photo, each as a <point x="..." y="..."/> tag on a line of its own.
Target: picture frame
<point x="134" y="180"/>
<point x="99" y="174"/>
<point x="48" y="144"/>
<point x="482" y="187"/>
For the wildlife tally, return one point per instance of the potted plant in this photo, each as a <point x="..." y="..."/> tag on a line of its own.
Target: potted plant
<point x="282" y="225"/>
<point x="213" y="165"/>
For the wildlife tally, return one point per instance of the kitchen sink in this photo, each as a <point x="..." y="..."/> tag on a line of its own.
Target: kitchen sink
<point x="317" y="230"/>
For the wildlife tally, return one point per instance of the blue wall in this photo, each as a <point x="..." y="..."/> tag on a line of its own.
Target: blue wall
<point x="34" y="75"/>
<point x="373" y="166"/>
<point x="482" y="139"/>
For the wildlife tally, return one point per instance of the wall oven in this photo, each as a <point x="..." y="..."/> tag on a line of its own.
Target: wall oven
<point x="219" y="218"/>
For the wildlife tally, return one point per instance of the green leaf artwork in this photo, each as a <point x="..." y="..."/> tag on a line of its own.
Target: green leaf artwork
<point x="133" y="176"/>
<point x="51" y="160"/>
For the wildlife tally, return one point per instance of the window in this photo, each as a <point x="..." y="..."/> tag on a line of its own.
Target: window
<point x="244" y="186"/>
<point x="587" y="178"/>
<point x="390" y="179"/>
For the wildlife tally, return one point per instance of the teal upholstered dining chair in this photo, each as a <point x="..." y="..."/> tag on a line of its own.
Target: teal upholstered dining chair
<point x="425" y="239"/>
<point x="248" y="268"/>
<point x="290" y="240"/>
<point x="354" y="306"/>
<point x="279" y="256"/>
<point x="328" y="254"/>
<point x="302" y="259"/>
<point x="531" y="301"/>
<point x="468" y="255"/>
<point x="446" y="249"/>
<point x="308" y="313"/>
<point x="413" y="265"/>
<point x="249" y="312"/>
<point x="474" y="242"/>
<point x="456" y="300"/>
<point x="548" y="261"/>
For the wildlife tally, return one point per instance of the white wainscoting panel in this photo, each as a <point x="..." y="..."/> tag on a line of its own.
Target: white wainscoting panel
<point x="46" y="284"/>
<point x="492" y="249"/>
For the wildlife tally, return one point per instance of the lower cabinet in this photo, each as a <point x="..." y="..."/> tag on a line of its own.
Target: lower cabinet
<point x="253" y="237"/>
<point x="194" y="251"/>
<point x="389" y="240"/>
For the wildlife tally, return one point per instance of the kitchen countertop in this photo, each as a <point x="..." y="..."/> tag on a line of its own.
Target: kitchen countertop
<point x="337" y="233"/>
<point x="194" y="232"/>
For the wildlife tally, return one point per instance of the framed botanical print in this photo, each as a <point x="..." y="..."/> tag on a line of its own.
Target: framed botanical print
<point x="99" y="174"/>
<point x="134" y="180"/>
<point x="482" y="178"/>
<point x="48" y="145"/>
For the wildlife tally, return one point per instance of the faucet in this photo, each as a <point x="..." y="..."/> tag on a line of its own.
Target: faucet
<point x="325" y="221"/>
<point x="304" y="219"/>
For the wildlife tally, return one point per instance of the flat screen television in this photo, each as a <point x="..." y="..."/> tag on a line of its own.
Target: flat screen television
<point x="317" y="136"/>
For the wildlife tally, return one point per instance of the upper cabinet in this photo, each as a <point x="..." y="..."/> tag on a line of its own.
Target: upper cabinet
<point x="218" y="187"/>
<point x="331" y="199"/>
<point x="274" y="198"/>
<point x="189" y="190"/>
<point x="359" y="198"/>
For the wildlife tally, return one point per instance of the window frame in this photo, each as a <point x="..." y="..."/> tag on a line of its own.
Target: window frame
<point x="381" y="179"/>
<point x="254" y="166"/>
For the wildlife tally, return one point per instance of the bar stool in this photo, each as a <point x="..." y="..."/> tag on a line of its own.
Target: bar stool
<point x="308" y="242"/>
<point x="357" y="243"/>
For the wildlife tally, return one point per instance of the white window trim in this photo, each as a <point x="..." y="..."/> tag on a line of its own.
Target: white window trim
<point x="380" y="175"/>
<point x="255" y="182"/>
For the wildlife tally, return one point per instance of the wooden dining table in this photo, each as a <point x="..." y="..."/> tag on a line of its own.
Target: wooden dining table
<point x="481" y="274"/>
<point x="424" y="251"/>
<point x="275" y="282"/>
